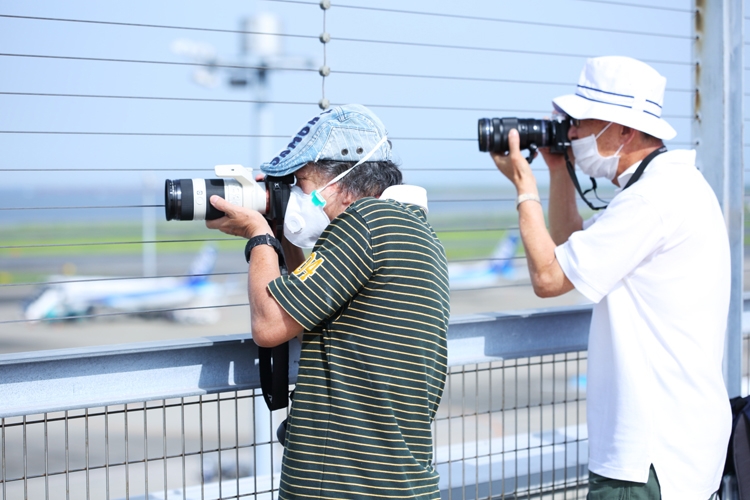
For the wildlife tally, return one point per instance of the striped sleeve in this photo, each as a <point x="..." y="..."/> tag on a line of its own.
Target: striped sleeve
<point x="337" y="269"/>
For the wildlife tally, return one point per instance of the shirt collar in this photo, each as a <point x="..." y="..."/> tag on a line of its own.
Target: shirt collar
<point x="624" y="177"/>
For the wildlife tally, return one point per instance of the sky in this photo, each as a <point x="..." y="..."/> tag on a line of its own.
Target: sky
<point x="116" y="107"/>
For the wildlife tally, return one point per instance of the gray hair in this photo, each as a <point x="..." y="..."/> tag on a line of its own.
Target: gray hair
<point x="370" y="178"/>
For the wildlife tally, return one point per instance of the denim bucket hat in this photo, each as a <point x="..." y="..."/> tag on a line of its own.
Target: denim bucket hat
<point x="343" y="133"/>
<point x="620" y="90"/>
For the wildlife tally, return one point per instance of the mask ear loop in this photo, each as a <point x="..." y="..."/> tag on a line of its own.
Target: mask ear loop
<point x="603" y="130"/>
<point x="317" y="198"/>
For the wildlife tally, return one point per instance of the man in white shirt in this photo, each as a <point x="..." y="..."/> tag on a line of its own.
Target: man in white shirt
<point x="656" y="265"/>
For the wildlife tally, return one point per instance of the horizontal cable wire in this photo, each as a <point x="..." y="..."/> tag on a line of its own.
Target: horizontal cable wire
<point x="642" y="6"/>
<point x="194" y="308"/>
<point x="493" y="49"/>
<point x="109" y="243"/>
<point x="217" y="306"/>
<point x="130" y="169"/>
<point x="342" y="72"/>
<point x="160" y="98"/>
<point x="93" y="207"/>
<point x="474" y="230"/>
<point x="252" y="101"/>
<point x="468" y="78"/>
<point x="207" y="169"/>
<point x="179" y="134"/>
<point x="208" y="275"/>
<point x="495" y="20"/>
<point x="158" y="26"/>
<point x="359" y="40"/>
<point x="53" y="245"/>
<point x="165" y="63"/>
<point x="122" y="278"/>
<point x="128" y="313"/>
<point x="487" y="259"/>
<point x="230" y="136"/>
<point x="492" y="287"/>
<point x="140" y="134"/>
<point x="242" y="136"/>
<point x="393" y="42"/>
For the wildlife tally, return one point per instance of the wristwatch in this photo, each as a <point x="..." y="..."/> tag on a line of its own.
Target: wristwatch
<point x="263" y="239"/>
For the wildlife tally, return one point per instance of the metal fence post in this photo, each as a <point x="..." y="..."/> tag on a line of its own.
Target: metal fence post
<point x="717" y="134"/>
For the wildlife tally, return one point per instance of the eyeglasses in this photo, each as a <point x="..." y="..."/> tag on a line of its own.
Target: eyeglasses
<point x="574" y="121"/>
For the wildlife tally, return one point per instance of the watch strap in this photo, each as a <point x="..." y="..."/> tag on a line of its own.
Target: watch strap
<point x="263" y="239"/>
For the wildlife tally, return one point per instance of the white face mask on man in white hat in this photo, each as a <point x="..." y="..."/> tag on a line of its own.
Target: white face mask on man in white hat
<point x="590" y="161"/>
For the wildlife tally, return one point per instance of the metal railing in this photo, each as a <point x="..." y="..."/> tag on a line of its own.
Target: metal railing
<point x="185" y="419"/>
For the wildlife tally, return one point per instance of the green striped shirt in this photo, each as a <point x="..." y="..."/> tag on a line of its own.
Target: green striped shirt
<point x="373" y="299"/>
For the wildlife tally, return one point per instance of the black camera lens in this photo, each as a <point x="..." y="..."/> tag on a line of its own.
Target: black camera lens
<point x="493" y="133"/>
<point x="187" y="199"/>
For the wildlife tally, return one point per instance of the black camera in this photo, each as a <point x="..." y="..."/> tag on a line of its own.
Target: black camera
<point x="493" y="134"/>
<point x="187" y="199"/>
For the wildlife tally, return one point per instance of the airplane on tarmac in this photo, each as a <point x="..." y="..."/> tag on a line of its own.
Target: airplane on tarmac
<point x="500" y="266"/>
<point x="173" y="298"/>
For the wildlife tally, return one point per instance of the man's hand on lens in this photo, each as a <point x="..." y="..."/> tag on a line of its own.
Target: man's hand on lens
<point x="514" y="166"/>
<point x="238" y="221"/>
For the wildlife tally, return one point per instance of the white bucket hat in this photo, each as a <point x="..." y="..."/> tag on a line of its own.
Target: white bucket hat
<point x="620" y="90"/>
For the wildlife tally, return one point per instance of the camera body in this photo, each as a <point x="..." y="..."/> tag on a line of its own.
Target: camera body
<point x="187" y="199"/>
<point x="533" y="133"/>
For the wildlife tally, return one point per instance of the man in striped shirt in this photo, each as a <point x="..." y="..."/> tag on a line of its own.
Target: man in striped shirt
<point x="372" y="300"/>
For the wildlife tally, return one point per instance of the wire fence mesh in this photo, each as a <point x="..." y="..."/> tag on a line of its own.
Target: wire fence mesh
<point x="505" y="429"/>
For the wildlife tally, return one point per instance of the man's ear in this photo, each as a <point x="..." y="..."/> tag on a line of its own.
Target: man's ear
<point x="627" y="134"/>
<point x="346" y="198"/>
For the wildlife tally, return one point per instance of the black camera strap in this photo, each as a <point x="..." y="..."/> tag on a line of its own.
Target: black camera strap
<point x="273" y="362"/>
<point x="642" y="167"/>
<point x="636" y="175"/>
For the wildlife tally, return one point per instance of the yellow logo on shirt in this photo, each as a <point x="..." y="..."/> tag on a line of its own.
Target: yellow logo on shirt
<point x="308" y="267"/>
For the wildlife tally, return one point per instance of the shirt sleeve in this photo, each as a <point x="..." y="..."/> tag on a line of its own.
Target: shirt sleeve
<point x="338" y="267"/>
<point x="609" y="249"/>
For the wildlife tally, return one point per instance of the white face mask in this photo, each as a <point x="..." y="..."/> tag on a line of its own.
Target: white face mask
<point x="304" y="221"/>
<point x="590" y="161"/>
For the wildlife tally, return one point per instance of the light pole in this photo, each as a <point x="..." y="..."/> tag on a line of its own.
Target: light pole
<point x="260" y="52"/>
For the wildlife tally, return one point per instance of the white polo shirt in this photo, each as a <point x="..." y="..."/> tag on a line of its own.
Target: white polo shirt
<point x="656" y="264"/>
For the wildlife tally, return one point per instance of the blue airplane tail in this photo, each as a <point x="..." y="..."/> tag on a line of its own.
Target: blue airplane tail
<point x="502" y="258"/>
<point x="202" y="266"/>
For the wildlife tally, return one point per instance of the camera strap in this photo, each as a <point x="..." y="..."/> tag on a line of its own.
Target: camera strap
<point x="636" y="175"/>
<point x="273" y="362"/>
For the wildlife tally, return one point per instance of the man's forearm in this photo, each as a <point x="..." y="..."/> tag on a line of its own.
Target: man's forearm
<point x="564" y="218"/>
<point x="547" y="276"/>
<point x="271" y="324"/>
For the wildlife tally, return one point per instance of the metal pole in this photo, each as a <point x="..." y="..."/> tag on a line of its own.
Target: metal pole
<point x="717" y="134"/>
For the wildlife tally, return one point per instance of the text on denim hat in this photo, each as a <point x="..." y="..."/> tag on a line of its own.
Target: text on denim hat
<point x="297" y="139"/>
